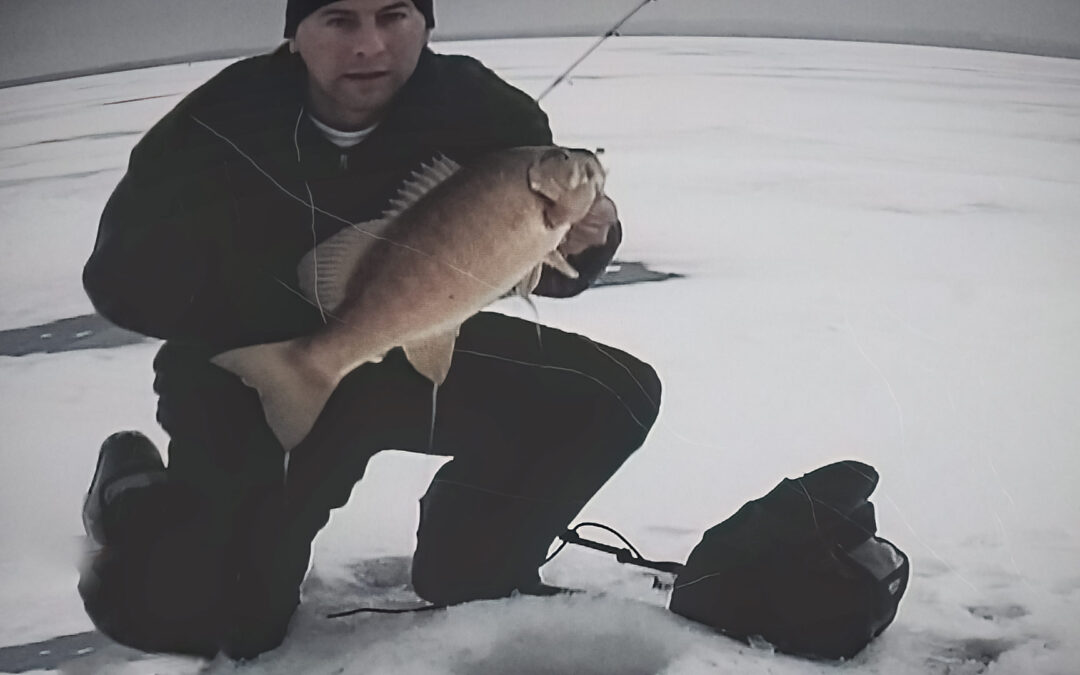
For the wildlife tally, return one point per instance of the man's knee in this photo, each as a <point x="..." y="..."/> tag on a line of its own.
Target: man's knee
<point x="639" y="398"/>
<point x="651" y="388"/>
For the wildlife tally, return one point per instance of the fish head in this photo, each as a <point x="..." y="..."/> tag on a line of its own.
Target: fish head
<point x="569" y="180"/>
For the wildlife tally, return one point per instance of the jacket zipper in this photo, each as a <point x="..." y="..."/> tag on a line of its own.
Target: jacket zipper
<point x="343" y="162"/>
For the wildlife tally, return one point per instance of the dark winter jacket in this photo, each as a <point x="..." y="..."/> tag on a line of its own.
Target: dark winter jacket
<point x="200" y="241"/>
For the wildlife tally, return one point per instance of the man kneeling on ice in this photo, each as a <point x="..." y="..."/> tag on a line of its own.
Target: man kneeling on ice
<point x="205" y="242"/>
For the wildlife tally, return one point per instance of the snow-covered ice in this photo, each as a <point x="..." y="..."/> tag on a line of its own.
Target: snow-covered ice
<point x="882" y="262"/>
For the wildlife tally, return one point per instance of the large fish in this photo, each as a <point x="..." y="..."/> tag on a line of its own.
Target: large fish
<point x="455" y="240"/>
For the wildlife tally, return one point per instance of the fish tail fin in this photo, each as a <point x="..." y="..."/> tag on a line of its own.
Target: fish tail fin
<point x="293" y="394"/>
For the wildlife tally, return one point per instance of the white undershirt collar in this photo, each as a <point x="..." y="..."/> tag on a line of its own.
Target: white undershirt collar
<point x="342" y="139"/>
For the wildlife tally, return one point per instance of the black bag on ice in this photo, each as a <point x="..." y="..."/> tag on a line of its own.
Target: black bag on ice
<point x="800" y="567"/>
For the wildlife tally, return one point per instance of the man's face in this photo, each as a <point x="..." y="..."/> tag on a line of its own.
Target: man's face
<point x="358" y="54"/>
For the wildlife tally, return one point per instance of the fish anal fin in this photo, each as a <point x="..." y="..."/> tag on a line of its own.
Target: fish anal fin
<point x="560" y="263"/>
<point x="431" y="356"/>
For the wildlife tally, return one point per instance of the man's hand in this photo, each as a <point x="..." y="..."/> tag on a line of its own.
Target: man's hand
<point x="592" y="230"/>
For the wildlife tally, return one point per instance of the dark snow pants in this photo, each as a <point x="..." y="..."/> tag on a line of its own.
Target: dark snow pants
<point x="214" y="556"/>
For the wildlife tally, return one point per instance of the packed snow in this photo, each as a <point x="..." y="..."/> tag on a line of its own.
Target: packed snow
<point x="882" y="262"/>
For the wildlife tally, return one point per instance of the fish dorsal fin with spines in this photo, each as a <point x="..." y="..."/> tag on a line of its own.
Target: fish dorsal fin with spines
<point x="325" y="271"/>
<point x="422" y="181"/>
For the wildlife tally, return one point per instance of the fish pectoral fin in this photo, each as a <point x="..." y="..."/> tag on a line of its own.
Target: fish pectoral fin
<point x="431" y="356"/>
<point x="529" y="282"/>
<point x="325" y="271"/>
<point x="556" y="260"/>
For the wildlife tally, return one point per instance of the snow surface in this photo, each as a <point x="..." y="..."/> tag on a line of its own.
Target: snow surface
<point x="882" y="262"/>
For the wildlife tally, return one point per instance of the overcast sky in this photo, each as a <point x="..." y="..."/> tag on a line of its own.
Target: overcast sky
<point x="44" y="37"/>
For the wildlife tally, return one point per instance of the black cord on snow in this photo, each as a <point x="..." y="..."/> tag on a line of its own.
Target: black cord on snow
<point x="629" y="555"/>
<point x="382" y="610"/>
<point x="571" y="537"/>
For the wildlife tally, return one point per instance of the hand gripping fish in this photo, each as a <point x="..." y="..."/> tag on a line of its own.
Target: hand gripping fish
<point x="454" y="240"/>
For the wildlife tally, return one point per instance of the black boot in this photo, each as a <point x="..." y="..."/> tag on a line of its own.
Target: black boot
<point x="128" y="462"/>
<point x="475" y="544"/>
<point x="537" y="588"/>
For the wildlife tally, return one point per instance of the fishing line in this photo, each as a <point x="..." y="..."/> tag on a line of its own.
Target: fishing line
<point x="614" y="30"/>
<point x="311" y="199"/>
<point x="434" y="403"/>
<point x="536" y="316"/>
<point x="338" y="218"/>
<point x="305" y="298"/>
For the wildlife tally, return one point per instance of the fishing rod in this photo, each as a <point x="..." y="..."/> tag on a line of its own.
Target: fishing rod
<point x="614" y="30"/>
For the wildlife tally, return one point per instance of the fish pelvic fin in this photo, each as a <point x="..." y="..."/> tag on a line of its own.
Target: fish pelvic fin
<point x="325" y="271"/>
<point x="292" y="395"/>
<point x="431" y="356"/>
<point x="559" y="262"/>
<point x="530" y="282"/>
<point x="422" y="181"/>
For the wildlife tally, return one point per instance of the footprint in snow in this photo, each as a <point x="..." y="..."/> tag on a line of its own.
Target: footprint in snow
<point x="998" y="613"/>
<point x="971" y="656"/>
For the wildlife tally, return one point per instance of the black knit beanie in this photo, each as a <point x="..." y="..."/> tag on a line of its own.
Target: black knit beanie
<point x="298" y="10"/>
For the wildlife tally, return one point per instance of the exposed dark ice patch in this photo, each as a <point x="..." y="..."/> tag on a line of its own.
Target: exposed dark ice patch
<point x="83" y="137"/>
<point x="384" y="583"/>
<point x="999" y="612"/>
<point x="66" y="651"/>
<point x="972" y="208"/>
<point x="384" y="572"/>
<point x="687" y="52"/>
<point x="968" y="657"/>
<point x="91" y="331"/>
<point x="141" y="98"/>
<point x="987" y="207"/>
<point x="621" y="272"/>
<point x="671" y="530"/>
<point x="16" y="182"/>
